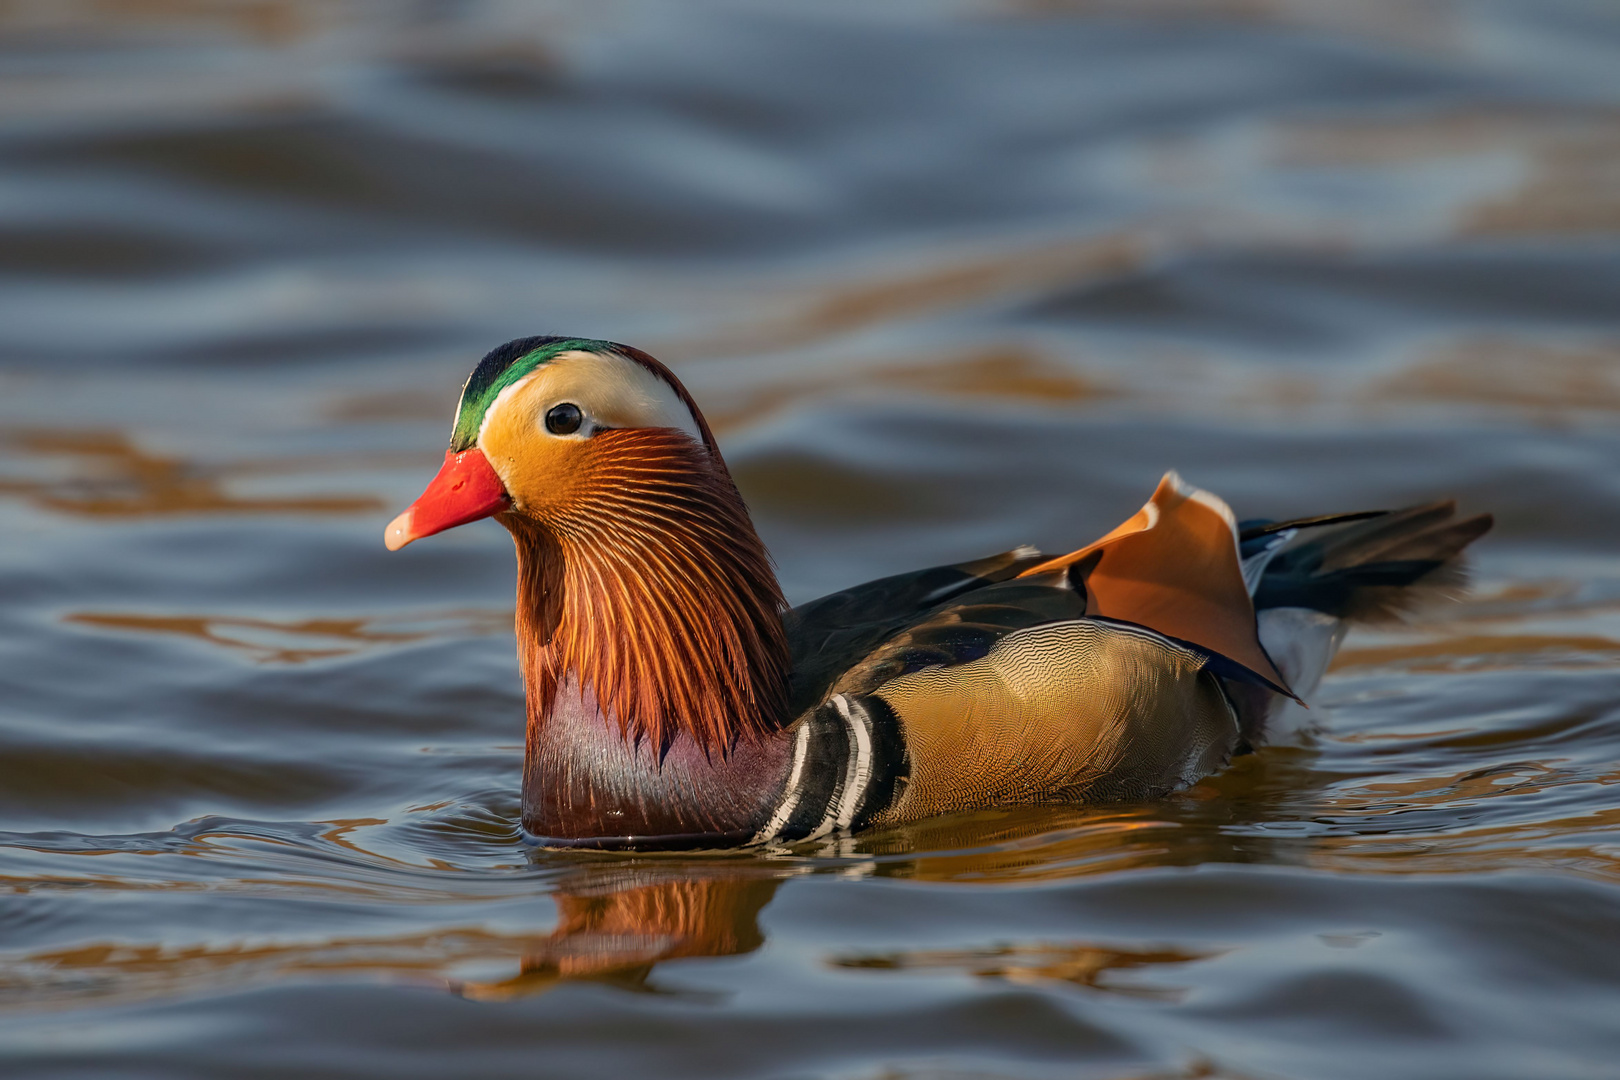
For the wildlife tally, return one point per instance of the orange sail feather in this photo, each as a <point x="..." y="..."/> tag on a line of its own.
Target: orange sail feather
<point x="1173" y="567"/>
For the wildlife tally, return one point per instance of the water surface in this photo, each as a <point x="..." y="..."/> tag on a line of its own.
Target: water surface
<point x="948" y="277"/>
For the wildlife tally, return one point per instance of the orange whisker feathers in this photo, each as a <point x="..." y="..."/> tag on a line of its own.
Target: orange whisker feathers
<point x="652" y="589"/>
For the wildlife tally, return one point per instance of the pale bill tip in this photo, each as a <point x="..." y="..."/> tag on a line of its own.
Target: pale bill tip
<point x="398" y="533"/>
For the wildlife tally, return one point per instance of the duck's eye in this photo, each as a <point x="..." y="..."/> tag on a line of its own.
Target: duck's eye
<point x="564" y="419"/>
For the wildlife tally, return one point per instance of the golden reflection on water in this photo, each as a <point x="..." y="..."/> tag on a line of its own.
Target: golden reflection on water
<point x="272" y="22"/>
<point x="1093" y="967"/>
<point x="387" y="406"/>
<point x="1570" y="176"/>
<point x="109" y="476"/>
<point x="1523" y="625"/>
<point x="1541" y="379"/>
<point x="619" y="936"/>
<point x="1006" y="374"/>
<point x="134" y="971"/>
<point x="603" y="933"/>
<point x="293" y="641"/>
<point x="814" y="314"/>
<point x="1025" y="845"/>
<point x="1481" y="652"/>
<point x="1549" y="844"/>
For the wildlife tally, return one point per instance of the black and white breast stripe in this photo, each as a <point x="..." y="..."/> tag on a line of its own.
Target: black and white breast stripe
<point x="848" y="757"/>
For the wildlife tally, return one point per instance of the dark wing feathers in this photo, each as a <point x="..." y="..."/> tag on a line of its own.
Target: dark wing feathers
<point x="829" y="635"/>
<point x="1256" y="529"/>
<point x="957" y="632"/>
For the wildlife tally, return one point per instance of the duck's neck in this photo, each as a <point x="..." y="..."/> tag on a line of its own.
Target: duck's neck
<point x="650" y="637"/>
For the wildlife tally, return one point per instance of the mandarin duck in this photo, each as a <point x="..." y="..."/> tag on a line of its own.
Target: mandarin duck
<point x="675" y="701"/>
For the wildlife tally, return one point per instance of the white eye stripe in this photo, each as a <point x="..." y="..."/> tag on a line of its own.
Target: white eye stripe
<point x="611" y="391"/>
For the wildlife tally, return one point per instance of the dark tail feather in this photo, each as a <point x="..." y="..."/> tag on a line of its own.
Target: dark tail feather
<point x="1374" y="569"/>
<point x="1253" y="530"/>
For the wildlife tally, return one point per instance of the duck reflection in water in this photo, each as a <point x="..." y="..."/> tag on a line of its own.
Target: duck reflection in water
<point x="616" y="928"/>
<point x="619" y="935"/>
<point x="616" y="922"/>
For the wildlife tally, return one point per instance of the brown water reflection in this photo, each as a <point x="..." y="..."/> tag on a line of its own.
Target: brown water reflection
<point x="615" y="933"/>
<point x="1480" y="652"/>
<point x="1091" y="966"/>
<point x="1011" y="375"/>
<point x="133" y="972"/>
<point x="620" y="934"/>
<point x="1571" y="181"/>
<point x="1545" y="381"/>
<point x="109" y="476"/>
<point x="817" y="314"/>
<point x="270" y="640"/>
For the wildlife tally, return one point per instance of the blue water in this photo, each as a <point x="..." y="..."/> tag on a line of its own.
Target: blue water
<point x="947" y="277"/>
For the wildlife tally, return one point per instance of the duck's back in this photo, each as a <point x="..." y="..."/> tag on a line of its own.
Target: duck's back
<point x="1124" y="671"/>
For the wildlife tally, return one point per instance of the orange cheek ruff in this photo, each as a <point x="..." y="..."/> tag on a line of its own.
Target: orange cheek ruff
<point x="466" y="489"/>
<point x="642" y="578"/>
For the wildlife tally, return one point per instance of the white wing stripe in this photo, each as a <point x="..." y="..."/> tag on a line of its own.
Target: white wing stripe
<point x="860" y="725"/>
<point x="793" y="790"/>
<point x="841" y="809"/>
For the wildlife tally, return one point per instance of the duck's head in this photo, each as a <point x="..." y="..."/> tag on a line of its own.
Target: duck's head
<point x="640" y="574"/>
<point x="530" y="430"/>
